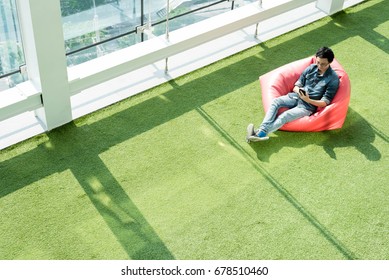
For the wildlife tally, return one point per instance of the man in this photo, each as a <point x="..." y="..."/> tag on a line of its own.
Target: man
<point x="315" y="88"/>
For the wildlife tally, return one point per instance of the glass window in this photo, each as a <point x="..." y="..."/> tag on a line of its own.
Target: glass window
<point x="11" y="49"/>
<point x="93" y="28"/>
<point x="186" y="12"/>
<point x="183" y="13"/>
<point x="91" y="25"/>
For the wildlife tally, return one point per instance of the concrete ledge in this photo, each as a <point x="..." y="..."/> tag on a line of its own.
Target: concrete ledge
<point x="22" y="98"/>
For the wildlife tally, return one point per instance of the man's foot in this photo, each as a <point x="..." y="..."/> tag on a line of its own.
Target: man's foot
<point x="260" y="136"/>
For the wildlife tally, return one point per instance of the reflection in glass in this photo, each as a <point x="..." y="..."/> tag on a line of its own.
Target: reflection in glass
<point x="11" y="49"/>
<point x="93" y="28"/>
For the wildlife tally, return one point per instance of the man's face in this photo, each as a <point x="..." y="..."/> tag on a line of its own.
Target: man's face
<point x="322" y="64"/>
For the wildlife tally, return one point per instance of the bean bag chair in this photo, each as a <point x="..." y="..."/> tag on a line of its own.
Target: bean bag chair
<point x="281" y="81"/>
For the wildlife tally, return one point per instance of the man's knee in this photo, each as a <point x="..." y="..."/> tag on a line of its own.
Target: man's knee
<point x="284" y="101"/>
<point x="284" y="117"/>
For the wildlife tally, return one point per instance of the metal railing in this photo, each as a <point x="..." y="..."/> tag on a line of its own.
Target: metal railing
<point x="10" y="73"/>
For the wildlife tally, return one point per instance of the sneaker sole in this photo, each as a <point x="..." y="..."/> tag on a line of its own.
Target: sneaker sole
<point x="256" y="139"/>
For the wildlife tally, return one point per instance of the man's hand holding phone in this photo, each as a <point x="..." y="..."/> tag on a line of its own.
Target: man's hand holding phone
<point x="302" y="91"/>
<point x="304" y="95"/>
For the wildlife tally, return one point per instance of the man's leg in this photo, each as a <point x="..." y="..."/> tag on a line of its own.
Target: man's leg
<point x="281" y="102"/>
<point x="288" y="116"/>
<point x="261" y="133"/>
<point x="285" y="117"/>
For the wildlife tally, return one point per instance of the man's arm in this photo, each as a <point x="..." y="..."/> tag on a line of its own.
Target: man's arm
<point x="317" y="103"/>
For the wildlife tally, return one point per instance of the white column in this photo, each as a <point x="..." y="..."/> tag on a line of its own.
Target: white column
<point x="330" y="6"/>
<point x="43" y="42"/>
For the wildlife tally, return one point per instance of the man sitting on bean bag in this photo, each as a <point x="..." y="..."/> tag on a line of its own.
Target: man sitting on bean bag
<point x="315" y="89"/>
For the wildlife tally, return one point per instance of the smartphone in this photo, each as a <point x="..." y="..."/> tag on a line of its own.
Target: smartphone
<point x="302" y="91"/>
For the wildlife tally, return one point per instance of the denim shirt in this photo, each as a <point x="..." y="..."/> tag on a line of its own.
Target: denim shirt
<point x="319" y="87"/>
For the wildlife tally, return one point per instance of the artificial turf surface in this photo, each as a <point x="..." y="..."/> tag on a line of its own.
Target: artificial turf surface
<point x="167" y="174"/>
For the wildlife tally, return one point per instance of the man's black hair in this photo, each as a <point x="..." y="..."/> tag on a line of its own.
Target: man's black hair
<point x="325" y="52"/>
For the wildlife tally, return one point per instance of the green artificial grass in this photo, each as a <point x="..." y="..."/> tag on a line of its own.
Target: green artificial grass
<point x="167" y="174"/>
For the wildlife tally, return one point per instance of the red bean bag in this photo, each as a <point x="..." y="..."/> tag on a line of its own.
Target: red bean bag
<point x="280" y="81"/>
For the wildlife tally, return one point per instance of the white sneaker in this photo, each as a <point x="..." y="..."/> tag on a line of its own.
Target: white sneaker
<point x="250" y="130"/>
<point x="255" y="138"/>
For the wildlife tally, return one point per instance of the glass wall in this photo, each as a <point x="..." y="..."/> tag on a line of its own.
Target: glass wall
<point x="11" y="49"/>
<point x="93" y="28"/>
<point x="96" y="27"/>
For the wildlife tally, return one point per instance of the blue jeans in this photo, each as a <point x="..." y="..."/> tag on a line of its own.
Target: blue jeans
<point x="296" y="110"/>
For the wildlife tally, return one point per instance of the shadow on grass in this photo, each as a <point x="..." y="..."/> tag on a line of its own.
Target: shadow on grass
<point x="119" y="212"/>
<point x="71" y="148"/>
<point x="371" y="17"/>
<point x="280" y="188"/>
<point x="343" y="25"/>
<point x="78" y="148"/>
<point x="356" y="132"/>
